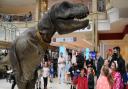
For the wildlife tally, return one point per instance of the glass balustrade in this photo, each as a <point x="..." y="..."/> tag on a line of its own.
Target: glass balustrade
<point x="7" y="31"/>
<point x="10" y="30"/>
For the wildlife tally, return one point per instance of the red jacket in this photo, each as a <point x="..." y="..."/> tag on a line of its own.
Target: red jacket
<point x="81" y="82"/>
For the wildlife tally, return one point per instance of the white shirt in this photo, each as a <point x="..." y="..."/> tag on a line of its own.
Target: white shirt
<point x="73" y="60"/>
<point x="61" y="62"/>
<point x="45" y="71"/>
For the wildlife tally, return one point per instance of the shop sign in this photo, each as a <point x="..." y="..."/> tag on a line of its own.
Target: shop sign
<point x="67" y="39"/>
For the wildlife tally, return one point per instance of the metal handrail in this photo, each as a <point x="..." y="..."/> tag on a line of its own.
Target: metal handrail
<point x="24" y="24"/>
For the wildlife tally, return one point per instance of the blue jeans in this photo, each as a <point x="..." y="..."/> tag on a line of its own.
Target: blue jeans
<point x="61" y="72"/>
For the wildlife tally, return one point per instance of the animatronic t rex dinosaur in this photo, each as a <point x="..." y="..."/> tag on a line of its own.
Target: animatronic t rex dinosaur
<point x="26" y="50"/>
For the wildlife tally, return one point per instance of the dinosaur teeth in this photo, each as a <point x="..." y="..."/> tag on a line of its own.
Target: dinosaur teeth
<point x="76" y="19"/>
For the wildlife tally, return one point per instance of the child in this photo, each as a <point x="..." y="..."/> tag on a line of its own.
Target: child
<point x="74" y="72"/>
<point x="39" y="75"/>
<point x="51" y="72"/>
<point x="81" y="81"/>
<point x="105" y="80"/>
<point x="106" y="62"/>
<point x="118" y="83"/>
<point x="90" y="78"/>
<point x="45" y="74"/>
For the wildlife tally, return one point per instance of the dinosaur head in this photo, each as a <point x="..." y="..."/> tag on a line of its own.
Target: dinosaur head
<point x="63" y="18"/>
<point x="68" y="17"/>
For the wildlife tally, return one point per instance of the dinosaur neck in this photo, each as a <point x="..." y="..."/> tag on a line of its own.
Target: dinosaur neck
<point x="46" y="22"/>
<point x="46" y="28"/>
<point x="42" y="43"/>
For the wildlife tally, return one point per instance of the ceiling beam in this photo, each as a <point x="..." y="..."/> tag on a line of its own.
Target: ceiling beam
<point x="114" y="36"/>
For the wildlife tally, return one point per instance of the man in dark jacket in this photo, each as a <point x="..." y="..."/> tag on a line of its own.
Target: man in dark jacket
<point x="120" y="61"/>
<point x="80" y="60"/>
<point x="100" y="62"/>
<point x="13" y="80"/>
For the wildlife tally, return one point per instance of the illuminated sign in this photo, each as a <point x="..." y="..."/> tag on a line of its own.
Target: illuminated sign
<point x="62" y="49"/>
<point x="67" y="39"/>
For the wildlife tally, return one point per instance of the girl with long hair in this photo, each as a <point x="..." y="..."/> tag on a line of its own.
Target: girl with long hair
<point x="118" y="83"/>
<point x="105" y="80"/>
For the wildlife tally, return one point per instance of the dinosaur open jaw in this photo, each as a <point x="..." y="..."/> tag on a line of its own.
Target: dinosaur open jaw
<point x="80" y="19"/>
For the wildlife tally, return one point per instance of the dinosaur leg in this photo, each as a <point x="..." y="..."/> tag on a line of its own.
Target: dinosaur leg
<point x="31" y="84"/>
<point x="20" y="81"/>
<point x="25" y="84"/>
<point x="21" y="85"/>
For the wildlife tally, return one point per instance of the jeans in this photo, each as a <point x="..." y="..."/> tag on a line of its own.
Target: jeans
<point x="61" y="73"/>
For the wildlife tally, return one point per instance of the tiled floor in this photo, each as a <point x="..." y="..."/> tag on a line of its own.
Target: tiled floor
<point x="5" y="85"/>
<point x="54" y="85"/>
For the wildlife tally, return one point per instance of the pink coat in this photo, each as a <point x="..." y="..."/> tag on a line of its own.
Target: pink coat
<point x="102" y="83"/>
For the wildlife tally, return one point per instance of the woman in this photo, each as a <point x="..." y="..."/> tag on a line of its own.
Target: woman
<point x="45" y="74"/>
<point x="106" y="62"/>
<point x="105" y="80"/>
<point x="118" y="83"/>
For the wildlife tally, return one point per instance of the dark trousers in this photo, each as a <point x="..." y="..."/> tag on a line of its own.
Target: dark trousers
<point x="13" y="84"/>
<point x="72" y="87"/>
<point x="90" y="88"/>
<point x="45" y="82"/>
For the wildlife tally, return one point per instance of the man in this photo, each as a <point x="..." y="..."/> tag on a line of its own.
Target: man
<point x="120" y="61"/>
<point x="14" y="80"/>
<point x="80" y="60"/>
<point x="73" y="60"/>
<point x="100" y="62"/>
<point x="61" y="68"/>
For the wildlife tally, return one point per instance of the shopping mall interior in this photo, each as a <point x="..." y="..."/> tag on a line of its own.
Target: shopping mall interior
<point x="108" y="25"/>
<point x="111" y="24"/>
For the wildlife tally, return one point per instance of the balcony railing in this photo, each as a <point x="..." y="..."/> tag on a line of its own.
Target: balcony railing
<point x="7" y="31"/>
<point x="10" y="30"/>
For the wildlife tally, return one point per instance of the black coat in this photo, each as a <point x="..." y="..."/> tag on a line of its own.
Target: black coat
<point x="90" y="62"/>
<point x="100" y="63"/>
<point x="90" y="81"/>
<point x="80" y="61"/>
<point x="121" y="64"/>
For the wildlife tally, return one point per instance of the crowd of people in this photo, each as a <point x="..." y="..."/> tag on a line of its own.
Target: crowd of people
<point x="82" y="73"/>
